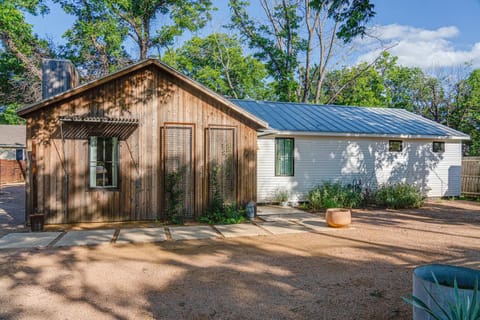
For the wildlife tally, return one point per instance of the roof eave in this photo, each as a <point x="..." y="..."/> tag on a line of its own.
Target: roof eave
<point x="360" y="135"/>
<point x="12" y="146"/>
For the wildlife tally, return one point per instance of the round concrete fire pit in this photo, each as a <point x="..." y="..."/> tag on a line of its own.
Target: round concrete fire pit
<point x="338" y="217"/>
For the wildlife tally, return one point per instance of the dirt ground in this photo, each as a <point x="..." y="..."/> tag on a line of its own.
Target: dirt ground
<point x="356" y="273"/>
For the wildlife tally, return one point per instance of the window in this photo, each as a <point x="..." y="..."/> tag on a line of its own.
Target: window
<point x="284" y="156"/>
<point x="438" y="146"/>
<point x="20" y="154"/>
<point x="103" y="162"/>
<point x="395" y="145"/>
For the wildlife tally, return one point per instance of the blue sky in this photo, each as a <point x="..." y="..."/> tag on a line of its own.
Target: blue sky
<point x="424" y="33"/>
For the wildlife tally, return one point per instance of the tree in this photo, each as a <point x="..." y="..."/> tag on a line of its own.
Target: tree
<point x="297" y="31"/>
<point x="95" y="41"/>
<point x="16" y="35"/>
<point x="469" y="119"/>
<point x="359" y="85"/>
<point x="148" y="23"/>
<point x="8" y="115"/>
<point x="21" y="52"/>
<point x="218" y="62"/>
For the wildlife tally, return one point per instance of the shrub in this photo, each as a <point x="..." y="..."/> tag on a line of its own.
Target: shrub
<point x="226" y="214"/>
<point x="174" y="196"/>
<point x="218" y="211"/>
<point x="334" y="195"/>
<point x="399" y="196"/>
<point x="281" y="195"/>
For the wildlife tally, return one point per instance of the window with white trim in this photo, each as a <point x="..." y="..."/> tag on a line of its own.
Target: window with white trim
<point x="103" y="162"/>
<point x="284" y="156"/>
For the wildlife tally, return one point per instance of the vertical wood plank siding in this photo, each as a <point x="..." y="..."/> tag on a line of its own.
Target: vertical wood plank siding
<point x="155" y="99"/>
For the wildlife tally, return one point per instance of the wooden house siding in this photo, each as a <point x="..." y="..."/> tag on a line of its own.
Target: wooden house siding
<point x="158" y="100"/>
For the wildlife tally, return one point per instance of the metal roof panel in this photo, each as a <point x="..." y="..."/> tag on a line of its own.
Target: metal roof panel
<point x="302" y="117"/>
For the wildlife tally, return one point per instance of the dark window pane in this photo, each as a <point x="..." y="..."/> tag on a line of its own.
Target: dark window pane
<point x="284" y="158"/>
<point x="395" y="145"/>
<point x="108" y="149"/>
<point x="438" y="146"/>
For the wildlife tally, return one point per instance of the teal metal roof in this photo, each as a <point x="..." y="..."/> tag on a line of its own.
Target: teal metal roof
<point x="302" y="117"/>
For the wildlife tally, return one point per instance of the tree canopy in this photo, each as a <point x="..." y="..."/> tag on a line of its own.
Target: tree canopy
<point x="218" y="62"/>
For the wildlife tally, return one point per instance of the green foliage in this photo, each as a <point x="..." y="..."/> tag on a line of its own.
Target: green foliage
<point x="278" y="46"/>
<point x="281" y="195"/>
<point x="462" y="308"/>
<point x="15" y="33"/>
<point x="21" y="52"/>
<point x="174" y="196"/>
<point x="9" y="116"/>
<point x="217" y="202"/>
<point x="351" y="16"/>
<point x="334" y="195"/>
<point x="102" y="26"/>
<point x="218" y="211"/>
<point x="294" y="32"/>
<point x="399" y="196"/>
<point x="226" y="214"/>
<point x="95" y="41"/>
<point x="469" y="120"/>
<point x="362" y="86"/>
<point x="156" y="23"/>
<point x="217" y="61"/>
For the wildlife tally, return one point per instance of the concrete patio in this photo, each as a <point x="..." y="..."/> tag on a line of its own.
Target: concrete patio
<point x="272" y="220"/>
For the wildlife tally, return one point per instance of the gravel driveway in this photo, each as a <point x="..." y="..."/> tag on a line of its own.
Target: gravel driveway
<point x="356" y="273"/>
<point x="12" y="208"/>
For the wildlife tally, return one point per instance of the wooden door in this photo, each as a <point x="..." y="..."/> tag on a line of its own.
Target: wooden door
<point x="178" y="164"/>
<point x="222" y="164"/>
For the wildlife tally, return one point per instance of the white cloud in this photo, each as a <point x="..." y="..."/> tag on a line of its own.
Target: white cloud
<point x="416" y="47"/>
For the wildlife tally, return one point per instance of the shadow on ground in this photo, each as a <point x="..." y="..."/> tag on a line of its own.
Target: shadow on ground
<point x="356" y="273"/>
<point x="12" y="208"/>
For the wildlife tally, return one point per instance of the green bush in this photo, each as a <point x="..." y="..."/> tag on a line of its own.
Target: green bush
<point x="399" y="196"/>
<point x="334" y="195"/>
<point x="218" y="211"/>
<point x="226" y="214"/>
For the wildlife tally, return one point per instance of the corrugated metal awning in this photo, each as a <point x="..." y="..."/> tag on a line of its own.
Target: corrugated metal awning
<point x="84" y="127"/>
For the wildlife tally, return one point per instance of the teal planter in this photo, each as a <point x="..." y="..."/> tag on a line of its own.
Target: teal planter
<point x="423" y="281"/>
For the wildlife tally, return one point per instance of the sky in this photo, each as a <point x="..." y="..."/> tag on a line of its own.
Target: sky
<point x="421" y="33"/>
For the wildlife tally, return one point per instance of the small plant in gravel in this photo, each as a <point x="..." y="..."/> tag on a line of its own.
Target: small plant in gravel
<point x="399" y="196"/>
<point x="334" y="195"/>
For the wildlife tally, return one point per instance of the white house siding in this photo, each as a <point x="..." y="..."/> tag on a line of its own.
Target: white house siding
<point x="320" y="159"/>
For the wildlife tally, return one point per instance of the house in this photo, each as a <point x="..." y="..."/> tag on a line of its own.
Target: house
<point x="12" y="152"/>
<point x="117" y="148"/>
<point x="307" y="144"/>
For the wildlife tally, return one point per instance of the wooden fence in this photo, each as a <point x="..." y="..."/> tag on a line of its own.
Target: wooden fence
<point x="471" y="176"/>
